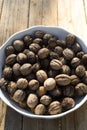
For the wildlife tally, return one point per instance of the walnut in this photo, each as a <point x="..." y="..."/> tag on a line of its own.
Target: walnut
<point x="22" y="83"/>
<point x="18" y="45"/>
<point x="33" y="84"/>
<point x="32" y="100"/>
<point x="41" y="76"/>
<point x="49" y="84"/>
<point x="40" y="109"/>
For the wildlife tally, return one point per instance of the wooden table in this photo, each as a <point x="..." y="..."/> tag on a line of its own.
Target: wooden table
<point x="16" y="15"/>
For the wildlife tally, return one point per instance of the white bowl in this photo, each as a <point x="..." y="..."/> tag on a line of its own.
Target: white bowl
<point x="57" y="31"/>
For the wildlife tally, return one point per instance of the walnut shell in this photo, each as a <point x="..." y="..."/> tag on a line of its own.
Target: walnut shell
<point x="18" y="45"/>
<point x="33" y="84"/>
<point x="45" y="99"/>
<point x="56" y="64"/>
<point x="63" y="79"/>
<point x="40" y="109"/>
<point x="32" y="100"/>
<point x="43" y="53"/>
<point x="41" y="76"/>
<point x="22" y="83"/>
<point x="10" y="60"/>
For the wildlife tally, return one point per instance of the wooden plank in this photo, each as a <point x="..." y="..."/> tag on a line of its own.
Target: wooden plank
<point x="2" y="114"/>
<point x="49" y="16"/>
<point x="1" y="7"/>
<point x="45" y="13"/>
<point x="85" y="8"/>
<point x="14" y="17"/>
<point x="81" y="118"/>
<point x="35" y="16"/>
<point x="13" y="120"/>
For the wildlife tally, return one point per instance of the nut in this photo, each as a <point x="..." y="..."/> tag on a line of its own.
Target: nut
<point x="7" y="73"/>
<point x="49" y="84"/>
<point x="58" y="50"/>
<point x="68" y="103"/>
<point x="12" y="87"/>
<point x="19" y="96"/>
<point x="40" y="109"/>
<point x="65" y="69"/>
<point x="63" y="79"/>
<point x="84" y="59"/>
<point x="33" y="84"/>
<point x="21" y="58"/>
<point x="56" y="64"/>
<point x="80" y="54"/>
<point x="68" y="54"/>
<point x="45" y="99"/>
<point x="41" y="76"/>
<point x="35" y="67"/>
<point x="84" y="79"/>
<point x="38" y="41"/>
<point x="22" y="83"/>
<point x="75" y="62"/>
<point x="32" y="100"/>
<point x="43" y="53"/>
<point x="55" y="108"/>
<point x="9" y="50"/>
<point x="81" y="89"/>
<point x="74" y="79"/>
<point x="52" y="42"/>
<point x="68" y="91"/>
<point x="76" y="47"/>
<point x="18" y="45"/>
<point x="26" y="69"/>
<point x="3" y="84"/>
<point x="54" y="55"/>
<point x="70" y="39"/>
<point x="16" y="69"/>
<point x="80" y="70"/>
<point x="52" y="73"/>
<point x="30" y="77"/>
<point x="31" y="57"/>
<point x="34" y="47"/>
<point x="39" y="34"/>
<point x="41" y="91"/>
<point x="10" y="60"/>
<point x="61" y="43"/>
<point x="55" y="92"/>
<point x="27" y="40"/>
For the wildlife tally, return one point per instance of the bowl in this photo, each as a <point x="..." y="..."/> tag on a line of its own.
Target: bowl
<point x="58" y="32"/>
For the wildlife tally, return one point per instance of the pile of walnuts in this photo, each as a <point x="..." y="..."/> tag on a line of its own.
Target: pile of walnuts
<point x="45" y="74"/>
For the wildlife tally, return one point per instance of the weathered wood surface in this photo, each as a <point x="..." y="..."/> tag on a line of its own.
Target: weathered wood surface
<point x="17" y="15"/>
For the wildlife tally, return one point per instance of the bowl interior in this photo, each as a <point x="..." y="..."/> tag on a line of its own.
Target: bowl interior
<point x="61" y="34"/>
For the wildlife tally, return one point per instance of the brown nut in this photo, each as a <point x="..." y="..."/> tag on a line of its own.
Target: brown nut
<point x="63" y="79"/>
<point x="39" y="34"/>
<point x="33" y="84"/>
<point x="27" y="40"/>
<point x="9" y="50"/>
<point x="38" y="41"/>
<point x="41" y="91"/>
<point x="68" y="91"/>
<point x="55" y="92"/>
<point x="76" y="47"/>
<point x="58" y="50"/>
<point x="31" y="57"/>
<point x="35" y="67"/>
<point x="16" y="69"/>
<point x="74" y="79"/>
<point x="68" y="103"/>
<point x="80" y="54"/>
<point x="40" y="109"/>
<point x="18" y="96"/>
<point x="84" y="79"/>
<point x="7" y="73"/>
<point x="34" y="47"/>
<point x="52" y="73"/>
<point x="68" y="54"/>
<point x="12" y="87"/>
<point x="41" y="76"/>
<point x="54" y="55"/>
<point x="75" y="62"/>
<point x="21" y="58"/>
<point x="80" y="71"/>
<point x="43" y="53"/>
<point x="56" y="64"/>
<point x="32" y="100"/>
<point x="26" y="69"/>
<point x="61" y="43"/>
<point x="49" y="84"/>
<point x="45" y="99"/>
<point x="3" y="84"/>
<point x="84" y="59"/>
<point x="18" y="45"/>
<point x="70" y="39"/>
<point x="63" y="60"/>
<point x="65" y="69"/>
<point x="22" y="83"/>
<point x="10" y="60"/>
<point x="81" y="89"/>
<point x="52" y="42"/>
<point x="46" y="38"/>
<point x="55" y="108"/>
